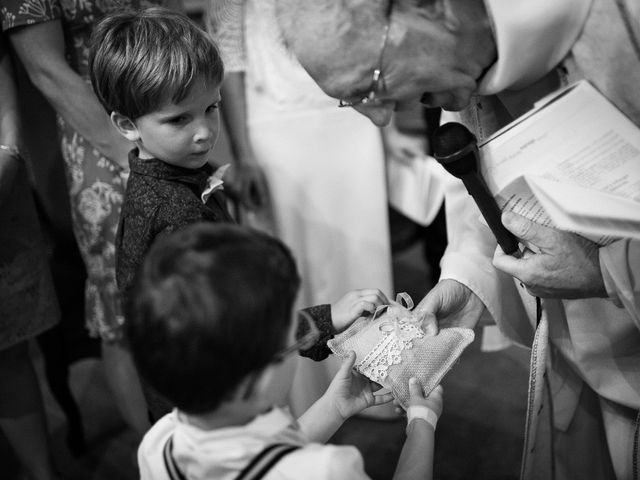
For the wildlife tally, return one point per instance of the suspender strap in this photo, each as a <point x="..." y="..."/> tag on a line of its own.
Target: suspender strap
<point x="265" y="460"/>
<point x="170" y="463"/>
<point x="257" y="469"/>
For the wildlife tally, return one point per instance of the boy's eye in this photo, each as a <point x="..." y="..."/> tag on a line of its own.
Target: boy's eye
<point x="178" y="120"/>
<point x="212" y="108"/>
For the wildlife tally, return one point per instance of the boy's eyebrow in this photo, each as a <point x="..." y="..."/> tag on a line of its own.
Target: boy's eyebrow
<point x="169" y="116"/>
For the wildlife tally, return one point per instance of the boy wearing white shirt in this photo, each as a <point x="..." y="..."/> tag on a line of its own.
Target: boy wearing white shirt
<point x="210" y="328"/>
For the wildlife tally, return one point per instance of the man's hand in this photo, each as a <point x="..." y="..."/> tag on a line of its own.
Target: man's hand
<point x="248" y="184"/>
<point x="566" y="265"/>
<point x="449" y="304"/>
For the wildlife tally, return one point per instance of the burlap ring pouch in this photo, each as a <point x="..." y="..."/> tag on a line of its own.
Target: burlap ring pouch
<point x="392" y="347"/>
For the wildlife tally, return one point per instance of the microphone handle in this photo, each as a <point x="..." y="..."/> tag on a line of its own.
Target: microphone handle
<point x="489" y="208"/>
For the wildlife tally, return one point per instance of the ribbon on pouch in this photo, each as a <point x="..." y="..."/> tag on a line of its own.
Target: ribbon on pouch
<point x="400" y="315"/>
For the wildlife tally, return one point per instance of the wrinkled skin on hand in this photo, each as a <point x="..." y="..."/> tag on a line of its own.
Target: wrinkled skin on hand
<point x="558" y="264"/>
<point x="450" y="304"/>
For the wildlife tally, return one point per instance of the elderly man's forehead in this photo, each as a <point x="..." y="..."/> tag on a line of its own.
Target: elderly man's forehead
<point x="336" y="43"/>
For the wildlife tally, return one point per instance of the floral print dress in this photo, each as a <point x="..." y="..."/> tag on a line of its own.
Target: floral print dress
<point x="96" y="184"/>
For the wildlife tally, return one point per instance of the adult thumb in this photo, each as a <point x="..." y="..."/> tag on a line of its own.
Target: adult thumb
<point x="521" y="227"/>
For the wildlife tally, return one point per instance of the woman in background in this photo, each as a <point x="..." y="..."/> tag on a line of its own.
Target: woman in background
<point x="27" y="300"/>
<point x="51" y="39"/>
<point x="311" y="173"/>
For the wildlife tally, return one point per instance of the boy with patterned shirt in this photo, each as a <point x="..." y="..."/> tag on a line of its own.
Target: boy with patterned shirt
<point x="158" y="75"/>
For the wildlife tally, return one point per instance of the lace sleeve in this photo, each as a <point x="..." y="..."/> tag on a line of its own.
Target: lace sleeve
<point x="225" y="24"/>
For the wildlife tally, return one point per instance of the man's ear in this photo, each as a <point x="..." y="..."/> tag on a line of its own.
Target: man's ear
<point x="125" y="126"/>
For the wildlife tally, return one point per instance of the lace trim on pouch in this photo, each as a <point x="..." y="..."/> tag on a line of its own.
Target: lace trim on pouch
<point x="398" y="335"/>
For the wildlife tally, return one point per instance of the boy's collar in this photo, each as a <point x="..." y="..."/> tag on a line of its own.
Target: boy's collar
<point x="273" y="421"/>
<point x="157" y="168"/>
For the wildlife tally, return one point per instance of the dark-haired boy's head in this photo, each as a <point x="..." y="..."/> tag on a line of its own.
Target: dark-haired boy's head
<point x="212" y="304"/>
<point x="141" y="60"/>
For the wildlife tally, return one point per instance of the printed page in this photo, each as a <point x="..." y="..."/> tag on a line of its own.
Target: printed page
<point x="587" y="211"/>
<point x="576" y="139"/>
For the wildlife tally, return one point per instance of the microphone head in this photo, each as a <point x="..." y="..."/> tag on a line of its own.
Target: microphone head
<point x="451" y="138"/>
<point x="455" y="147"/>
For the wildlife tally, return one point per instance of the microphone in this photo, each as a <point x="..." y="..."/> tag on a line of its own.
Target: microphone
<point x="456" y="149"/>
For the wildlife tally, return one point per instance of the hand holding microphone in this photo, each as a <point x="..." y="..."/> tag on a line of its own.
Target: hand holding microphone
<point x="456" y="149"/>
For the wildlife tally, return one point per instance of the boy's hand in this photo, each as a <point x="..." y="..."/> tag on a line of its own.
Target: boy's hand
<point x="355" y="304"/>
<point x="351" y="392"/>
<point x="433" y="401"/>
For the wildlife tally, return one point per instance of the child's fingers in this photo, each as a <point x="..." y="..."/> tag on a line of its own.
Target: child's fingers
<point x="415" y="389"/>
<point x="368" y="304"/>
<point x="378" y="389"/>
<point x="347" y="364"/>
<point x="436" y="393"/>
<point x="374" y="295"/>
<point x="363" y="306"/>
<point x="380" y="399"/>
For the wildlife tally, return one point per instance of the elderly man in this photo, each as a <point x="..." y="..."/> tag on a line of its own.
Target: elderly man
<point x="491" y="60"/>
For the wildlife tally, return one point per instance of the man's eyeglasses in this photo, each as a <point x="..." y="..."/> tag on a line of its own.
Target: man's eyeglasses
<point x="377" y="82"/>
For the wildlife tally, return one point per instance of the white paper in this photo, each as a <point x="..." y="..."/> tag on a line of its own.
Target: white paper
<point x="573" y="163"/>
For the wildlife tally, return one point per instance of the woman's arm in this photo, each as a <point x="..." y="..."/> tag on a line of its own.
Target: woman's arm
<point x="248" y="177"/>
<point x="9" y="123"/>
<point x="41" y="49"/>
<point x="225" y="24"/>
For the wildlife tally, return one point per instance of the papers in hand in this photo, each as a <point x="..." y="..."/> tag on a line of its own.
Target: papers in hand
<point x="573" y="162"/>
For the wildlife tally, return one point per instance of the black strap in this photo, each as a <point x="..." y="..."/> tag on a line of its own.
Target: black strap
<point x="255" y="470"/>
<point x="170" y="462"/>
<point x="265" y="460"/>
<point x="634" y="460"/>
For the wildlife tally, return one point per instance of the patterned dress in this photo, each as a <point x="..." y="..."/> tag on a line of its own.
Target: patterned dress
<point x="28" y="304"/>
<point x="96" y="183"/>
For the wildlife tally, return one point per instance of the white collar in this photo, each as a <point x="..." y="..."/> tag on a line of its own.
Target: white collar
<point x="219" y="452"/>
<point x="267" y="424"/>
<point x="532" y="37"/>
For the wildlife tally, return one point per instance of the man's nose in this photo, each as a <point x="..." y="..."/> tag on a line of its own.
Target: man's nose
<point x="380" y="115"/>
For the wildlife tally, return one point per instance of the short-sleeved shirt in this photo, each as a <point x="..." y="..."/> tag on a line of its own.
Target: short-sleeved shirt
<point x="78" y="17"/>
<point x="160" y="198"/>
<point x="222" y="453"/>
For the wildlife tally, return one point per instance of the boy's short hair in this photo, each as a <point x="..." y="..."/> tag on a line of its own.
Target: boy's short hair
<point x="140" y="60"/>
<point x="212" y="303"/>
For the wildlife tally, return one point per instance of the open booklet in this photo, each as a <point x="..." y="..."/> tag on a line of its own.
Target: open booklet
<point x="572" y="162"/>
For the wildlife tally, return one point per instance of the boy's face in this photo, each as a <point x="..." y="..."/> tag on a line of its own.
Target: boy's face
<point x="271" y="385"/>
<point x="185" y="133"/>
